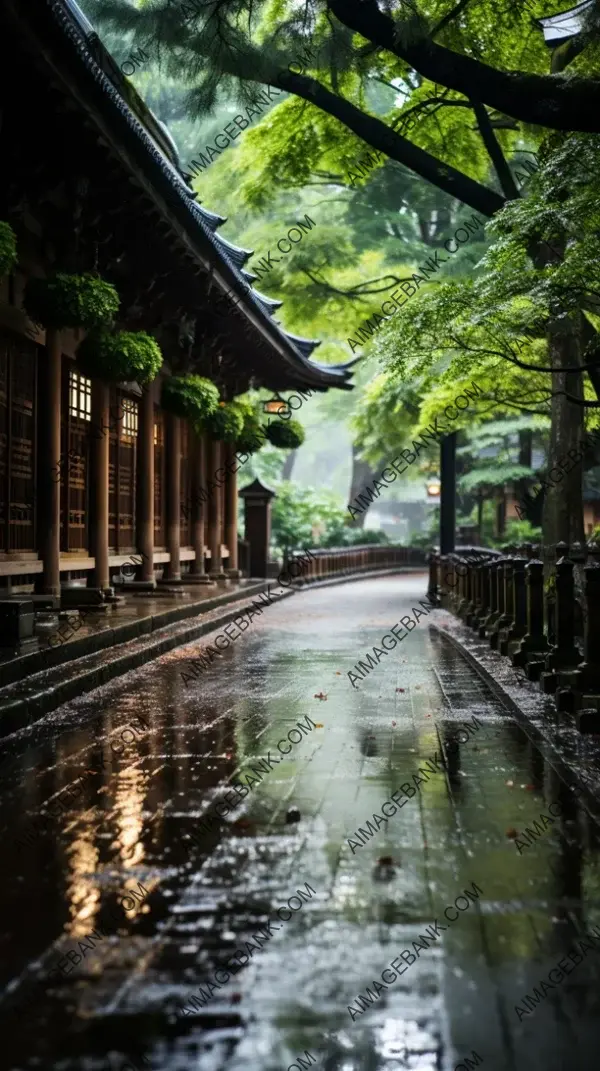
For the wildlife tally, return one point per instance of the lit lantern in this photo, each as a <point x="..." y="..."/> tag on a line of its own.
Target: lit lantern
<point x="274" y="405"/>
<point x="434" y="487"/>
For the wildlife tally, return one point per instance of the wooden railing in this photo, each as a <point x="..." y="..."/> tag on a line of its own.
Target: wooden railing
<point x="349" y="561"/>
<point x="549" y="629"/>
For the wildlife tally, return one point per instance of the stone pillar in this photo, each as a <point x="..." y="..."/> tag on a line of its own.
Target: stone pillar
<point x="199" y="507"/>
<point x="563" y="654"/>
<point x="173" y="474"/>
<point x="534" y="642"/>
<point x="432" y="590"/>
<point x="145" y="484"/>
<point x="50" y="467"/>
<point x="590" y="667"/>
<point x="231" y="510"/>
<point x="100" y="443"/>
<point x="215" y="512"/>
<point x="257" y="515"/>
<point x="519" y="628"/>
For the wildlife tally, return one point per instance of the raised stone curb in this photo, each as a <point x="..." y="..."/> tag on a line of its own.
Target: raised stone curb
<point x="575" y="757"/>
<point x="26" y="665"/>
<point x="31" y="702"/>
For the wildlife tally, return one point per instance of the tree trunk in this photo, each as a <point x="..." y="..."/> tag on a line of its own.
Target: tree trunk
<point x="500" y="516"/>
<point x="362" y="475"/>
<point x="479" y="518"/>
<point x="525" y="455"/>
<point x="525" y="447"/>
<point x="286" y="472"/>
<point x="563" y="500"/>
<point x="448" y="493"/>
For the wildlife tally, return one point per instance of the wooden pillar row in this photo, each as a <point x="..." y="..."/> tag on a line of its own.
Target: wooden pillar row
<point x="199" y="506"/>
<point x="99" y="469"/>
<point x="173" y="495"/>
<point x="215" y="511"/>
<point x="50" y="467"/>
<point x="145" y="484"/>
<point x="231" y="511"/>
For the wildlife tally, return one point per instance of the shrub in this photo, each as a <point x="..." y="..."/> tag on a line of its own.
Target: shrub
<point x="225" y="423"/>
<point x="287" y="435"/>
<point x="307" y="517"/>
<point x="8" y="248"/>
<point x="252" y="436"/>
<point x="192" y="397"/>
<point x="71" y="301"/>
<point x="119" y="356"/>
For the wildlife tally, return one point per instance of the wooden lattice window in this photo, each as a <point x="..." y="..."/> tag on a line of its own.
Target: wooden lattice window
<point x="18" y="389"/>
<point x="122" y="474"/>
<point x="80" y="396"/>
<point x="75" y="462"/>
<point x="129" y="423"/>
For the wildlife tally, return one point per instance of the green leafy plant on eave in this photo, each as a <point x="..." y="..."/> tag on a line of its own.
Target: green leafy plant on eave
<point x="191" y="397"/>
<point x="8" y="248"/>
<point x="288" y="435"/>
<point x="62" y="300"/>
<point x="225" y="424"/>
<point x="119" y="357"/>
<point x="253" y="434"/>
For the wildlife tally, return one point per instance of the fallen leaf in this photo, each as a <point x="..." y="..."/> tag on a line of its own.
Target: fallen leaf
<point x="400" y="689"/>
<point x="393" y="723"/>
<point x="320" y="695"/>
<point x="338" y="672"/>
<point x="318" y="725"/>
<point x="512" y="833"/>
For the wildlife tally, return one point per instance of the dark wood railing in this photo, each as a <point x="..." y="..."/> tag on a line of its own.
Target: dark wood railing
<point x="550" y="629"/>
<point x="331" y="562"/>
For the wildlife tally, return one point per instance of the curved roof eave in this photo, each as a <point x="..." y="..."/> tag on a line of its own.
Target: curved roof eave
<point x="202" y="234"/>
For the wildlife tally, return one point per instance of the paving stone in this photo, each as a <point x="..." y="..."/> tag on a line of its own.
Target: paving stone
<point x="139" y="816"/>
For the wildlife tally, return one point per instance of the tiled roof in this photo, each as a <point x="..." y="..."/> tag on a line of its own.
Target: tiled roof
<point x="201" y="224"/>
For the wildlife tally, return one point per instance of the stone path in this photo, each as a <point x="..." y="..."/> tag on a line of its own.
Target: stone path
<point x="152" y="878"/>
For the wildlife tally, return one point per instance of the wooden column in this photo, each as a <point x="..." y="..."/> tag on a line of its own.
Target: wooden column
<point x="99" y="490"/>
<point x="231" y="510"/>
<point x="215" y="512"/>
<point x="199" y="506"/>
<point x="145" y="484"/>
<point x="173" y="496"/>
<point x="49" y="511"/>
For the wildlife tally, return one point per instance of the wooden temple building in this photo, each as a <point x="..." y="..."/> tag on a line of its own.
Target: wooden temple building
<point x="90" y="178"/>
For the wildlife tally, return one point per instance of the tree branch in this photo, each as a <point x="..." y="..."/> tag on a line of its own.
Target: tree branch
<point x="356" y="292"/>
<point x="424" y="104"/>
<point x="379" y="136"/>
<point x="505" y="178"/>
<point x="449" y="17"/>
<point x="554" y="101"/>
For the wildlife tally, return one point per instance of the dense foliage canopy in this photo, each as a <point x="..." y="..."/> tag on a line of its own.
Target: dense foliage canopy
<point x="391" y="125"/>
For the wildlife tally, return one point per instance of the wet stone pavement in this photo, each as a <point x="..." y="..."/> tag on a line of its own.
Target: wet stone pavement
<point x="154" y="918"/>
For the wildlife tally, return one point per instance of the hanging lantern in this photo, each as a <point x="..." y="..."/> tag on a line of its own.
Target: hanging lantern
<point x="274" y="405"/>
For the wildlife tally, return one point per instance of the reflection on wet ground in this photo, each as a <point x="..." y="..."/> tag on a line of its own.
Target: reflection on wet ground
<point x="109" y="820"/>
